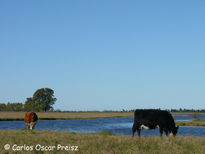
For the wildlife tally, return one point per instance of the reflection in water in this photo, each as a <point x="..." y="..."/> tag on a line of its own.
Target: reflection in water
<point x="121" y="126"/>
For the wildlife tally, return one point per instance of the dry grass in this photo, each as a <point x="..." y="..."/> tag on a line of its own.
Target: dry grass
<point x="64" y="115"/>
<point x="72" y="115"/>
<point x="101" y="143"/>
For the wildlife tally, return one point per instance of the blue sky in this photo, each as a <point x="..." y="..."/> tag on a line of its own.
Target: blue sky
<point x="104" y="55"/>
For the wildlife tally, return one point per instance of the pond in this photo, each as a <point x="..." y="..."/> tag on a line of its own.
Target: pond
<point x="122" y="126"/>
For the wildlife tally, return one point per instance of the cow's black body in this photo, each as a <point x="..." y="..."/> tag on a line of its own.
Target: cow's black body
<point x="152" y="119"/>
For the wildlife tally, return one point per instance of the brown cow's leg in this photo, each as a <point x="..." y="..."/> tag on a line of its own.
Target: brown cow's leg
<point x="28" y="125"/>
<point x="32" y="125"/>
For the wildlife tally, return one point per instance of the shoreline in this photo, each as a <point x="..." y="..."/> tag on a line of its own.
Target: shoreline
<point x="19" y="116"/>
<point x="21" y="119"/>
<point x="12" y="116"/>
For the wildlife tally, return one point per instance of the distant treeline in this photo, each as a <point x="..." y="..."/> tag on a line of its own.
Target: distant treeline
<point x="186" y="110"/>
<point x="182" y="110"/>
<point x="17" y="107"/>
<point x="38" y="107"/>
<point x="12" y="107"/>
<point x="170" y="110"/>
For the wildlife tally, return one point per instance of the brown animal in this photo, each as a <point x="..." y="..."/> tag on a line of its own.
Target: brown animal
<point x="31" y="119"/>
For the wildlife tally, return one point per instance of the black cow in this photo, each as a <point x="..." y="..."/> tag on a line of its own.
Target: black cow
<point x="151" y="119"/>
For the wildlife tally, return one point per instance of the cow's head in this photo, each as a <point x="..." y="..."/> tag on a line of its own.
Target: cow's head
<point x="174" y="131"/>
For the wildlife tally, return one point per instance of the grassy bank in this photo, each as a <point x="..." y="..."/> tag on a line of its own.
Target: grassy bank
<point x="64" y="115"/>
<point x="103" y="142"/>
<point x="196" y="122"/>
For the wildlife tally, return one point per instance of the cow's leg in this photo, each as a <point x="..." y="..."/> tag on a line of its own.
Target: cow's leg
<point x="138" y="131"/>
<point x="32" y="125"/>
<point x="27" y="125"/>
<point x="166" y="131"/>
<point x="161" y="131"/>
<point x="134" y="128"/>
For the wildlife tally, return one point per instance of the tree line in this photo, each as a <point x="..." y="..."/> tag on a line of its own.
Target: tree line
<point x="180" y="110"/>
<point x="30" y="105"/>
<point x="42" y="100"/>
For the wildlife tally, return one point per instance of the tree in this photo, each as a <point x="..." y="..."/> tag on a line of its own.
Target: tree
<point x="17" y="107"/>
<point x="30" y="105"/>
<point x="44" y="96"/>
<point x="3" y="107"/>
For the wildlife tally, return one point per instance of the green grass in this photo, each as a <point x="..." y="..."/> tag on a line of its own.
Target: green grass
<point x="199" y="120"/>
<point x="103" y="142"/>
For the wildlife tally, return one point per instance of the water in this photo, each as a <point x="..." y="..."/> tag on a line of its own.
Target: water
<point x="120" y="126"/>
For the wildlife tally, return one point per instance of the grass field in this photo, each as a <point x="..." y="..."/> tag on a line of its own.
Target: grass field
<point x="104" y="142"/>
